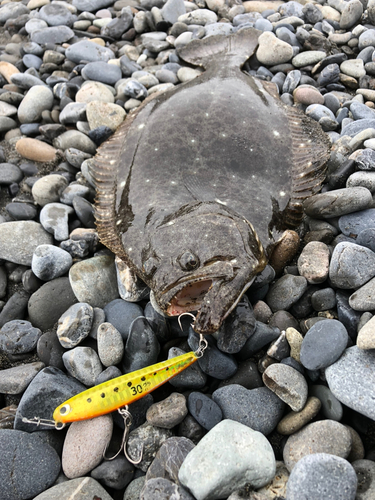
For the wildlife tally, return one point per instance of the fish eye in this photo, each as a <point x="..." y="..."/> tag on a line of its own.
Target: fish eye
<point x="65" y="409"/>
<point x="188" y="261"/>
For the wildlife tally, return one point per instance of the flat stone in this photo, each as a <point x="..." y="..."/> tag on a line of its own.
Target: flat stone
<point x="110" y="344"/>
<point x="351" y="380"/>
<point x="324" y="436"/>
<point x="94" y="280"/>
<point x="272" y="51"/>
<point x="322" y="475"/>
<point x="286" y="291"/>
<point x="313" y="262"/>
<point x="104" y="113"/>
<point x="199" y="16"/>
<point x="353" y="224"/>
<point x="83" y="364"/>
<point x="307" y="58"/>
<point x="232" y="455"/>
<point x="84" y="444"/>
<point x="88" y="51"/>
<point x="363" y="299"/>
<point x="15" y="380"/>
<point x="55" y="34"/>
<point x="169" y="412"/>
<point x="19" y="239"/>
<point x="338" y="202"/>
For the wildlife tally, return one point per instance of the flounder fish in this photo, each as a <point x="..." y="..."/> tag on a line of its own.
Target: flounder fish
<point x="195" y="186"/>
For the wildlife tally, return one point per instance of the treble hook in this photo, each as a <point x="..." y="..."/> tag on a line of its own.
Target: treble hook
<point x="126" y="415"/>
<point x="185" y="314"/>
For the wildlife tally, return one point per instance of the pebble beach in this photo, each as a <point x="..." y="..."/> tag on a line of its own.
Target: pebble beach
<point x="281" y="406"/>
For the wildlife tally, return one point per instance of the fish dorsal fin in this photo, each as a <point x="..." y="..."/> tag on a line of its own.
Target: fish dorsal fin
<point x="311" y="151"/>
<point x="236" y="48"/>
<point x="104" y="169"/>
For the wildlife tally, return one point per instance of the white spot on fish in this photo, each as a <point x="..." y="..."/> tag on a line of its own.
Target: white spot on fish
<point x="156" y="149"/>
<point x="276" y="133"/>
<point x="170" y="223"/>
<point x="112" y="162"/>
<point x="193" y="140"/>
<point x="141" y="126"/>
<point x="173" y="182"/>
<point x="122" y="184"/>
<point x="118" y="222"/>
<point x="147" y="180"/>
<point x="130" y="249"/>
<point x="219" y="201"/>
<point x="282" y="193"/>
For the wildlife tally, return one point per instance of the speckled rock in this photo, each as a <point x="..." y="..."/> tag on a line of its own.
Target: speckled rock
<point x="75" y="324"/>
<point x="288" y="384"/>
<point x="48" y="189"/>
<point x="313" y="263"/>
<point x="87" y="487"/>
<point x="149" y="438"/>
<point x="169" y="412"/>
<point x="351" y="265"/>
<point x="110" y="344"/>
<point x="294" y="421"/>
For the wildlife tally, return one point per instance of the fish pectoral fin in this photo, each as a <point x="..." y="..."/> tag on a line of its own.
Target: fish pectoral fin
<point x="236" y="48"/>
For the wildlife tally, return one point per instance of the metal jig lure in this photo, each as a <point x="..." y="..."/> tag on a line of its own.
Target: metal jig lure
<point x="118" y="393"/>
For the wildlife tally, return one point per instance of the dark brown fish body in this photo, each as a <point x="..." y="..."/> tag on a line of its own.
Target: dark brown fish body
<point x="192" y="187"/>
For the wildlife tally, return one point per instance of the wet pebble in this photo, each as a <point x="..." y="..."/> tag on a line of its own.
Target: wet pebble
<point x="83" y="364"/>
<point x="18" y="337"/>
<point x="294" y="421"/>
<point x="50" y="262"/>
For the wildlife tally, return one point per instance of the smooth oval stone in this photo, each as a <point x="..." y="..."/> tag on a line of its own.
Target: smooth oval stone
<point x="272" y="51"/>
<point x="351" y="380"/>
<point x="75" y="139"/>
<point x="10" y="173"/>
<point x="21" y="211"/>
<point x="110" y="344"/>
<point x="169" y="412"/>
<point x="322" y="476"/>
<point x="84" y="444"/>
<point x="48" y="189"/>
<point x="35" y="150"/>
<point x="21" y="474"/>
<point x="50" y="350"/>
<point x="142" y="347"/>
<point x="205" y="411"/>
<point x="365" y="470"/>
<point x="232" y="455"/>
<point x="55" y="34"/>
<point x="47" y="390"/>
<point x="338" y="202"/>
<point x="88" y="51"/>
<point x="331" y="406"/>
<point x="364" y="298"/>
<point x="288" y="384"/>
<point x="257" y="408"/>
<point x="324" y="436"/>
<point x="50" y="262"/>
<point x="49" y="302"/>
<point x="294" y="421"/>
<point x="121" y="315"/>
<point x="352" y="224"/>
<point x="351" y="265"/>
<point x="102" y="72"/>
<point x="323" y="344"/>
<point x="94" y="281"/>
<point x="19" y="239"/>
<point x="104" y="114"/>
<point x="56" y="15"/>
<point x="115" y="474"/>
<point x="37" y="99"/>
<point x="75" y="324"/>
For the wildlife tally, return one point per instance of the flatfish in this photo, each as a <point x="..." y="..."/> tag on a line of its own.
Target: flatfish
<point x="195" y="186"/>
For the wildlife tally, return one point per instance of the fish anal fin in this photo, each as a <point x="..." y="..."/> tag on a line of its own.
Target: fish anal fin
<point x="236" y="48"/>
<point x="310" y="152"/>
<point x="104" y="170"/>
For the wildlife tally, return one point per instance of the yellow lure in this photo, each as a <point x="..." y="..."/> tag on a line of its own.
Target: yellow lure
<point x="109" y="396"/>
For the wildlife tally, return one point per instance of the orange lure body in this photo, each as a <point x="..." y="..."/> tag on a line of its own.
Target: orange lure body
<point x="109" y="396"/>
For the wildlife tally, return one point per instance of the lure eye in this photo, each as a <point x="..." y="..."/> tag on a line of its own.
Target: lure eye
<point x="64" y="410"/>
<point x="188" y="261"/>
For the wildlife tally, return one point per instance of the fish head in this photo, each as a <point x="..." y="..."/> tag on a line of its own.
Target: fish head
<point x="203" y="261"/>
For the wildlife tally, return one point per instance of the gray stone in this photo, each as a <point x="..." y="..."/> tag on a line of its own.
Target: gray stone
<point x="232" y="455"/>
<point x="21" y="474"/>
<point x="56" y="34"/>
<point x="19" y="239"/>
<point x="11" y="11"/>
<point x="199" y="16"/>
<point x="191" y="378"/>
<point x="110" y="344"/>
<point x="172" y="9"/>
<point x="169" y="412"/>
<point x="18" y="337"/>
<point x="351" y="265"/>
<point x="320" y="476"/>
<point x="94" y="280"/>
<point x="331" y="406"/>
<point x="48" y="189"/>
<point x="324" y="436"/>
<point x="115" y="473"/>
<point x="353" y="224"/>
<point x="91" y="5"/>
<point x="102" y="72"/>
<point x="9" y="174"/>
<point x="259" y="408"/>
<point x="365" y="470"/>
<point x="50" y="262"/>
<point x="307" y="58"/>
<point x="83" y="364"/>
<point x="351" y="380"/>
<point x="73" y="112"/>
<point x="75" y="139"/>
<point x="87" y="487"/>
<point x="75" y="324"/>
<point x="338" y="202"/>
<point x="313" y="262"/>
<point x="54" y="217"/>
<point x="286" y="291"/>
<point x="88" y="51"/>
<point x="15" y="380"/>
<point x="363" y="299"/>
<point x="148" y="438"/>
<point x="205" y="411"/>
<point x="351" y="13"/>
<point x="56" y="15"/>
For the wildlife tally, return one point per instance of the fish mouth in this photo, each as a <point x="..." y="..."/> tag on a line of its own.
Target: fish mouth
<point x="189" y="298"/>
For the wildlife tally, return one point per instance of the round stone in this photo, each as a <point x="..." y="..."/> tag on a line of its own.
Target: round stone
<point x="104" y="113"/>
<point x="86" y="50"/>
<point x="351" y="265"/>
<point x="94" y="91"/>
<point x="272" y="51"/>
<point x="320" y="476"/>
<point x="48" y="189"/>
<point x="286" y="291"/>
<point x="169" y="412"/>
<point x="323" y="344"/>
<point x="37" y="100"/>
<point x="50" y="262"/>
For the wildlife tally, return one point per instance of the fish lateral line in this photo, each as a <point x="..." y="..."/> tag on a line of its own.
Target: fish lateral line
<point x="121" y="391"/>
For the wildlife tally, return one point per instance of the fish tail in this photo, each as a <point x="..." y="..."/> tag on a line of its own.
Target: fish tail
<point x="236" y="48"/>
